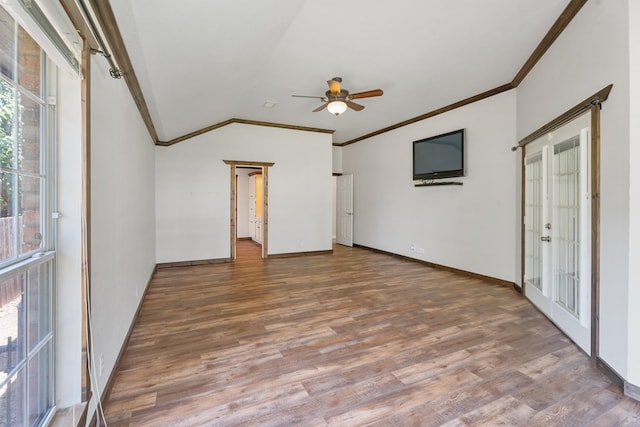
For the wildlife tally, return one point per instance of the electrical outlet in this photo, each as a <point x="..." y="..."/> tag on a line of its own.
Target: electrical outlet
<point x="421" y="250"/>
<point x="100" y="365"/>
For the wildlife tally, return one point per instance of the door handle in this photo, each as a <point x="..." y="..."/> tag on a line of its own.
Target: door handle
<point x="349" y="213"/>
<point x="545" y="238"/>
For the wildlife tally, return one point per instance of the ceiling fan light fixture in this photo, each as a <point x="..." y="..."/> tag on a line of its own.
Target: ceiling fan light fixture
<point x="337" y="107"/>
<point x="337" y="100"/>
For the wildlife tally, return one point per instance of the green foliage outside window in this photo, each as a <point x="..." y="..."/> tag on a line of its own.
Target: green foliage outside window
<point x="7" y="147"/>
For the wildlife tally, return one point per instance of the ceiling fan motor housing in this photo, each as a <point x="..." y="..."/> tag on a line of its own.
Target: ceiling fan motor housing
<point x="342" y="96"/>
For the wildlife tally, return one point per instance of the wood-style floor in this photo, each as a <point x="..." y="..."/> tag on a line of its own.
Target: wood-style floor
<point x="352" y="338"/>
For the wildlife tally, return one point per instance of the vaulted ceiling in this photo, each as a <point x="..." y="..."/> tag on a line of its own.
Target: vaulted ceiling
<point x="199" y="63"/>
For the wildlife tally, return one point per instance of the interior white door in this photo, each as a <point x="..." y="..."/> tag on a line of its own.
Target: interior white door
<point x="557" y="222"/>
<point x="344" y="210"/>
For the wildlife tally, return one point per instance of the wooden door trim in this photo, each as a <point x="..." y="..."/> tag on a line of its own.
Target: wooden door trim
<point x="595" y="231"/>
<point x="265" y="211"/>
<point x="579" y="109"/>
<point x="265" y="204"/>
<point x="233" y="226"/>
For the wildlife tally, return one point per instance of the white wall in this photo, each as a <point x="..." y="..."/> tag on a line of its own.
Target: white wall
<point x="192" y="188"/>
<point x="633" y="374"/>
<point x="468" y="227"/>
<point x="122" y="214"/>
<point x="69" y="243"/>
<point x="590" y="54"/>
<point x="337" y="159"/>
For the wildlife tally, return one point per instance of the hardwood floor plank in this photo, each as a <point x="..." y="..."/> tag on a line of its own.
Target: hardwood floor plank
<point x="625" y="413"/>
<point x="122" y="408"/>
<point x="349" y="338"/>
<point x="583" y="404"/>
<point x="504" y="411"/>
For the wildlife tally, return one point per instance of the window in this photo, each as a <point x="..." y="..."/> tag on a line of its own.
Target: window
<point x="26" y="234"/>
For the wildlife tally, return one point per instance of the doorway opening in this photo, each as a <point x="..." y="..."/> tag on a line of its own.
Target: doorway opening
<point x="254" y="232"/>
<point x="249" y="212"/>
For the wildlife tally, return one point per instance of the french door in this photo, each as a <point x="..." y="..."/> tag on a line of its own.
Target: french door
<point x="557" y="225"/>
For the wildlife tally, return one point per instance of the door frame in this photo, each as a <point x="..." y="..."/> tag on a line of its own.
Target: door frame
<point x="594" y="105"/>
<point x="233" y="202"/>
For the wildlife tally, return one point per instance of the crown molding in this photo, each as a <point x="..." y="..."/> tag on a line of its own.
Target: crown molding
<point x="114" y="39"/>
<point x="240" y="121"/>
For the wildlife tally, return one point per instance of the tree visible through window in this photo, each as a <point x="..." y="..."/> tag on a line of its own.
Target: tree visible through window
<point x="26" y="255"/>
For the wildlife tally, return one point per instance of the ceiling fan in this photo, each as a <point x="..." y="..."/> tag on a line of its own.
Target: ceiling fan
<point x="336" y="99"/>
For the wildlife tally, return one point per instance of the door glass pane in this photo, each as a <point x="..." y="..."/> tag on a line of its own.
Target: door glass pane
<point x="12" y="324"/>
<point x="533" y="220"/>
<point x="39" y="304"/>
<point x="566" y="214"/>
<point x="12" y="401"/>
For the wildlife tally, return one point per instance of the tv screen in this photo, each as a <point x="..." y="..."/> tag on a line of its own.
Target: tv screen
<point x="440" y="156"/>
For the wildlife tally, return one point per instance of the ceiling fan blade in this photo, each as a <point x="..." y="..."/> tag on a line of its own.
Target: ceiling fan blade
<point x="354" y="106"/>
<point x="366" y="94"/>
<point x="309" y="96"/>
<point x="334" y="85"/>
<point x="320" y="108"/>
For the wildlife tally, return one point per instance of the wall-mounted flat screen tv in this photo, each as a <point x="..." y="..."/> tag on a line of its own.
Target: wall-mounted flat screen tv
<point x="440" y="156"/>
